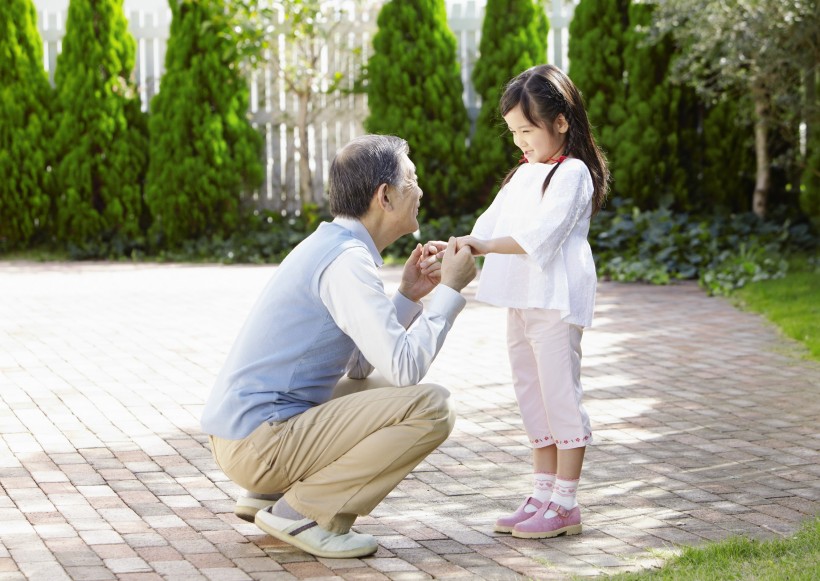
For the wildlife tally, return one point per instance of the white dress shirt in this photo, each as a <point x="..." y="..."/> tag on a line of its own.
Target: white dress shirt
<point x="557" y="271"/>
<point x="394" y="336"/>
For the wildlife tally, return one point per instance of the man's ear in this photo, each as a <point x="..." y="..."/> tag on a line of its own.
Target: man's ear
<point x="382" y="197"/>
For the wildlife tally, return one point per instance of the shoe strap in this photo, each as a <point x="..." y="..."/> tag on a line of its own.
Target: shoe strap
<point x="560" y="510"/>
<point x="303" y="528"/>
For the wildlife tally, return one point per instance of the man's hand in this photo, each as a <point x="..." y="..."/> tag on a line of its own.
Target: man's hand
<point x="422" y="272"/>
<point x="457" y="267"/>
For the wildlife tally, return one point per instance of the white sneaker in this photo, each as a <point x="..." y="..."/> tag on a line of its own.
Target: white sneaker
<point x="305" y="534"/>
<point x="249" y="503"/>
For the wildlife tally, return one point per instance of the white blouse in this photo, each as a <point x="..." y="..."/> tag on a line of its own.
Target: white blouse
<point x="557" y="272"/>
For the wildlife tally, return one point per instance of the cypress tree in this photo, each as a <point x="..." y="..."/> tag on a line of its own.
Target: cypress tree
<point x="810" y="189"/>
<point x="596" y="66"/>
<point x="728" y="156"/>
<point x="415" y="92"/>
<point x="649" y="144"/>
<point x="513" y="39"/>
<point x="100" y="138"/>
<point x="204" y="151"/>
<point x="24" y="127"/>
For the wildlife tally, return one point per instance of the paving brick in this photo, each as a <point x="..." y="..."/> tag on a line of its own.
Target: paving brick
<point x="100" y="573"/>
<point x="127" y="565"/>
<point x="704" y="425"/>
<point x="306" y="570"/>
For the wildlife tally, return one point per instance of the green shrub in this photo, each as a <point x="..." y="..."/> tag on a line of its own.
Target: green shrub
<point x="414" y="91"/>
<point x="728" y="158"/>
<point x="25" y="132"/>
<point x="513" y="38"/>
<point x="432" y="229"/>
<point x="810" y="189"/>
<point x="204" y="152"/>
<point x="597" y="39"/>
<point x="263" y="237"/>
<point x="649" y="145"/>
<point x="101" y="139"/>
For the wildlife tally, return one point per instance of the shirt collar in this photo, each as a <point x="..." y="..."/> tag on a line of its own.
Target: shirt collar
<point x="360" y="233"/>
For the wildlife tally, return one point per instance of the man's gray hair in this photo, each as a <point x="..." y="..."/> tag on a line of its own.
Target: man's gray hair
<point x="358" y="170"/>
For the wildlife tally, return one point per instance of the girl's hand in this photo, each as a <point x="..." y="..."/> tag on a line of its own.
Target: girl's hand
<point x="477" y="247"/>
<point x="422" y="272"/>
<point x="433" y="248"/>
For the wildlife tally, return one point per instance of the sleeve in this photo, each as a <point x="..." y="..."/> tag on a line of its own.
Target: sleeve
<point x="358" y="367"/>
<point x="355" y="297"/>
<point x="563" y="205"/>
<point x="485" y="224"/>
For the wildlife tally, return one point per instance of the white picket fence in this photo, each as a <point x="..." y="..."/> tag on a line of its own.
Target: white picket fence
<point x="272" y="108"/>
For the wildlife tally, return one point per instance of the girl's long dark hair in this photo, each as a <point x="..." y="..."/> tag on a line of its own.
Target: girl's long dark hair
<point x="544" y="92"/>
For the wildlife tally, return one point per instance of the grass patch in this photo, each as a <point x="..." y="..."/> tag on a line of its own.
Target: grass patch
<point x="35" y="255"/>
<point x="792" y="303"/>
<point x="738" y="558"/>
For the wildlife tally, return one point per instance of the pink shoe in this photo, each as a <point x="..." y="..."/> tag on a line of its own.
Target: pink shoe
<point x="566" y="522"/>
<point x="506" y="523"/>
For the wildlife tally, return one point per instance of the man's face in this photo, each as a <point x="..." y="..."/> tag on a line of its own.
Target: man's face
<point x="406" y="199"/>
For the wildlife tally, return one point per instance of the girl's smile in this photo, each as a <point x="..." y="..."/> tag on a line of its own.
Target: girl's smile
<point x="538" y="144"/>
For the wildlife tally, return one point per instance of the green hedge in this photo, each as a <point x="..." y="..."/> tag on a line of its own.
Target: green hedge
<point x="723" y="252"/>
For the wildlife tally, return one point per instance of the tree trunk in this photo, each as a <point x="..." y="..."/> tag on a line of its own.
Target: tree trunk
<point x="764" y="171"/>
<point x="305" y="176"/>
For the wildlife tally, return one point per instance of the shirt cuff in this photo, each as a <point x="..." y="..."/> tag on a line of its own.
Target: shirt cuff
<point x="447" y="302"/>
<point x="406" y="310"/>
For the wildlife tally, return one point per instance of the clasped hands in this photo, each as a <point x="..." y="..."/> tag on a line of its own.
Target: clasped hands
<point x="450" y="263"/>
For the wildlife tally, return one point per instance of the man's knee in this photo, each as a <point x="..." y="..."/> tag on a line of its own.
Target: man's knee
<point x="439" y="406"/>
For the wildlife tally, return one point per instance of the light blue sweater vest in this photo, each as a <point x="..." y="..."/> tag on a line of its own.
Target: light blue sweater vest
<point x="289" y="354"/>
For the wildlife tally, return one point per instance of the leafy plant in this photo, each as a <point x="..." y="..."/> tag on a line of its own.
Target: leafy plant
<point x="722" y="252"/>
<point x="733" y="269"/>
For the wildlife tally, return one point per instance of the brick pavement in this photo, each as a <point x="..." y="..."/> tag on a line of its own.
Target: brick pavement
<point x="705" y="420"/>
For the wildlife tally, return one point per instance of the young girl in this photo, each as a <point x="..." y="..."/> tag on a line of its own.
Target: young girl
<point x="539" y="265"/>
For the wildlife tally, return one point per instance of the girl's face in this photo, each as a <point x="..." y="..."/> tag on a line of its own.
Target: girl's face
<point x="539" y="144"/>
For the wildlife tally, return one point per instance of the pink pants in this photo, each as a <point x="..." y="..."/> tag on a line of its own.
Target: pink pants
<point x="545" y="356"/>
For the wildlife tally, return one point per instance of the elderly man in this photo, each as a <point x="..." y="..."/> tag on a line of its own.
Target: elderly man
<point x="273" y="424"/>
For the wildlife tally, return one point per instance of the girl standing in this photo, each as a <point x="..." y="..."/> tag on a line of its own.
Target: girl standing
<point x="539" y="265"/>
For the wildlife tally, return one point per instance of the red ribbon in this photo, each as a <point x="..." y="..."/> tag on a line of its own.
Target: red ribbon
<point x="558" y="159"/>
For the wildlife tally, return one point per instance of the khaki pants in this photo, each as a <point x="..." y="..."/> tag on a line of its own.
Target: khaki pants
<point x="339" y="459"/>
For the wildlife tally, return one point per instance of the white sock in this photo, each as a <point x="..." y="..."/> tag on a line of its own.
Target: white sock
<point x="543" y="486"/>
<point x="563" y="493"/>
<point x="542" y="490"/>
